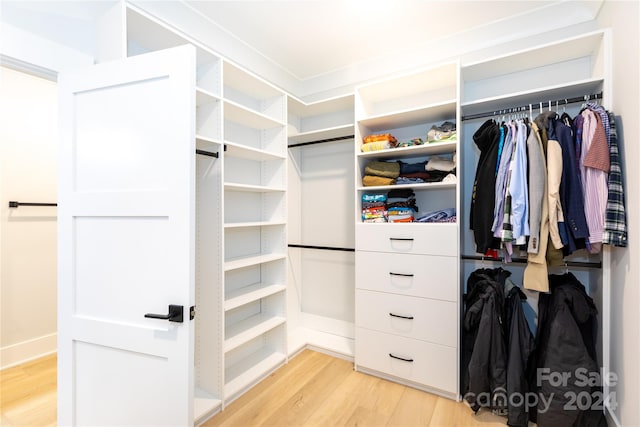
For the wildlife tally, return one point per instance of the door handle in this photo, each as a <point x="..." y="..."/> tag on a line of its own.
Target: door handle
<point x="176" y="314"/>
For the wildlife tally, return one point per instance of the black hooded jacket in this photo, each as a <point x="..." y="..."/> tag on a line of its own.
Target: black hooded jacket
<point x="484" y="376"/>
<point x="566" y="343"/>
<point x="486" y="139"/>
<point x="497" y="346"/>
<point x="520" y="346"/>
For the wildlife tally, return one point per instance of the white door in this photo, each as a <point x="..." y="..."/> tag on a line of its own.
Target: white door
<point x="126" y="241"/>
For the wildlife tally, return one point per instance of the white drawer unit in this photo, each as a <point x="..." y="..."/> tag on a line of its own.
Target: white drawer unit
<point x="407" y="297"/>
<point x="416" y="275"/>
<point x="419" y="362"/>
<point x="420" y="318"/>
<point x="414" y="238"/>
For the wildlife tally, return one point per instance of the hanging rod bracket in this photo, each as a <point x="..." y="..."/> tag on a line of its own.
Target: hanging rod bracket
<point x="207" y="153"/>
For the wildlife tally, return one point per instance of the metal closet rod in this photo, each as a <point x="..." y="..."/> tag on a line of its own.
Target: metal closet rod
<point x="326" y="248"/>
<point x="320" y="141"/>
<point x="583" y="264"/>
<point x="14" y="204"/>
<point x="525" y="108"/>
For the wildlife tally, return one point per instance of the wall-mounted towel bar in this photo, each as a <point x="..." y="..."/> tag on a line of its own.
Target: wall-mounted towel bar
<point x="14" y="204"/>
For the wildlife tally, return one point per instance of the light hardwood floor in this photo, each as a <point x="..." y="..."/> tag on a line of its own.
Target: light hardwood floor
<point x="28" y="394"/>
<point x="313" y="389"/>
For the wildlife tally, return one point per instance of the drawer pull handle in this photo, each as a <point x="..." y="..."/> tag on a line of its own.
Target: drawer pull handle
<point x="400" y="358"/>
<point x="400" y="316"/>
<point x="400" y="274"/>
<point x="410" y="239"/>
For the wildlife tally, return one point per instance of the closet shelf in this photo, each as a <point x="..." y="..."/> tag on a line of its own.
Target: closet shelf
<point x="245" y="116"/>
<point x="247" y="83"/>
<point x="424" y="186"/>
<point x="249" y="294"/>
<point x="320" y="134"/>
<point x="533" y="97"/>
<point x="234" y="149"/>
<point x="252" y="188"/>
<point x="252" y="224"/>
<point x="234" y="264"/>
<point x="245" y="372"/>
<point x="242" y="332"/>
<point x="428" y="149"/>
<point x="205" y="97"/>
<point x="532" y="58"/>
<point x="205" y="141"/>
<point x="427" y="115"/>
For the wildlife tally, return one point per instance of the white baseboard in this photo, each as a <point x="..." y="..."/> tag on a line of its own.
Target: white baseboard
<point x="25" y="351"/>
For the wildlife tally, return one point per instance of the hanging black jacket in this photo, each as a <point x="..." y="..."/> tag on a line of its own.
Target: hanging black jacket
<point x="486" y="139"/>
<point x="520" y="346"/>
<point x="484" y="380"/>
<point x="566" y="342"/>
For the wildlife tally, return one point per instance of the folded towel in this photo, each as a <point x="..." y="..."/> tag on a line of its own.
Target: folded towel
<point x="372" y="181"/>
<point x="385" y="169"/>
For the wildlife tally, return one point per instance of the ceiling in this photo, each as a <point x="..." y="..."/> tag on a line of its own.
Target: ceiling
<point x="319" y="48"/>
<point x="310" y="38"/>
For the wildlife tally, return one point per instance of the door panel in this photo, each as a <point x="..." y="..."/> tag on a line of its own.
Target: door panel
<point x="126" y="220"/>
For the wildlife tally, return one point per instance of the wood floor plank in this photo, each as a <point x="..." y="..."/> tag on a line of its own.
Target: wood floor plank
<point x="307" y="399"/>
<point x="256" y="405"/>
<point x="313" y="389"/>
<point x="28" y="393"/>
<point x="414" y="408"/>
<point x="340" y="406"/>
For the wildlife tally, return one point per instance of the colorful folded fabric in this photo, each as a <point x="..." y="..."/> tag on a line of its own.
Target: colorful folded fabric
<point x="372" y="181"/>
<point x="375" y="146"/>
<point x="384" y="169"/>
<point x="374" y="197"/>
<point x="380" y="137"/>
<point x="437" y="216"/>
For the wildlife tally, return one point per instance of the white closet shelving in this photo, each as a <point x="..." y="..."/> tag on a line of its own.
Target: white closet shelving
<point x="321" y="307"/>
<point x="407" y="301"/>
<point x="241" y="219"/>
<point x="555" y="71"/>
<point x="255" y="251"/>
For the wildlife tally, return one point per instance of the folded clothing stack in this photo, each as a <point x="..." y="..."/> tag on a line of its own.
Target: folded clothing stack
<point x="380" y="173"/>
<point x="445" y="132"/>
<point x="442" y="215"/>
<point x="401" y="205"/>
<point x="441" y="169"/>
<point x="378" y="142"/>
<point x="374" y="208"/>
<point x="410" y="143"/>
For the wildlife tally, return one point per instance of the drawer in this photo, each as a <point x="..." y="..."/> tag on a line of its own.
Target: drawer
<point x="412" y="238"/>
<point x="417" y="275"/>
<point x="420" y="318"/>
<point x="432" y="365"/>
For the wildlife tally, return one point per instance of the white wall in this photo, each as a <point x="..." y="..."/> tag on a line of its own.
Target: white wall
<point x="624" y="18"/>
<point x="28" y="173"/>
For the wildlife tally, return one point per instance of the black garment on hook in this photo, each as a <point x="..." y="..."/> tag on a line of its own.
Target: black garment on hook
<point x="484" y="376"/>
<point x="566" y="345"/>
<point x="486" y="139"/>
